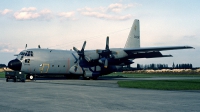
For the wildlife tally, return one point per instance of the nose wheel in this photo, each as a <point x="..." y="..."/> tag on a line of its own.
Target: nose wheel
<point x="31" y="77"/>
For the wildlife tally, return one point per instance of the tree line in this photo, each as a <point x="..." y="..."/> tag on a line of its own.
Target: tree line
<point x="164" y="66"/>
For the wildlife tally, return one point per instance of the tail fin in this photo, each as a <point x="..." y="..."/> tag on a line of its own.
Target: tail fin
<point x="133" y="40"/>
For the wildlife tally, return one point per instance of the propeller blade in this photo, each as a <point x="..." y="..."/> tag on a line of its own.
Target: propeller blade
<point x="75" y="49"/>
<point x="75" y="58"/>
<point x="82" y="50"/>
<point x="107" y="43"/>
<point x="106" y="63"/>
<point x="76" y="66"/>
<point x="87" y="58"/>
<point x="102" y="61"/>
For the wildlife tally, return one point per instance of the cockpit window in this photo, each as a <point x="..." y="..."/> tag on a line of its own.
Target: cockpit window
<point x="21" y="53"/>
<point x="28" y="53"/>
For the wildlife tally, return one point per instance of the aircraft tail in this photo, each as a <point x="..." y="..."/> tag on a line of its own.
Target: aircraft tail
<point x="133" y="40"/>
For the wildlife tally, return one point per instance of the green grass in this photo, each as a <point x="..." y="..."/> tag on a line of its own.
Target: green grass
<point x="150" y="75"/>
<point x="162" y="84"/>
<point x="2" y="74"/>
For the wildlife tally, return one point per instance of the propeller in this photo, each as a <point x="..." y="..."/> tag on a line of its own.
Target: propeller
<point x="80" y="53"/>
<point x="106" y="54"/>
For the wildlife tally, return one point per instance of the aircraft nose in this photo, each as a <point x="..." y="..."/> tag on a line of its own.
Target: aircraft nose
<point x="15" y="65"/>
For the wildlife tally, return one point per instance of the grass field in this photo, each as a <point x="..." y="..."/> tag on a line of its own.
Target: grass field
<point x="162" y="84"/>
<point x="151" y="75"/>
<point x="159" y="84"/>
<point x="2" y="74"/>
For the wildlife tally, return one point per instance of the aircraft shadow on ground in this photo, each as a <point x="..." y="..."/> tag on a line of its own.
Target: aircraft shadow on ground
<point x="63" y="78"/>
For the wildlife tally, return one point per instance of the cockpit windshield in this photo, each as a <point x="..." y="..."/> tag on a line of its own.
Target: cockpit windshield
<point x="27" y="53"/>
<point x="21" y="53"/>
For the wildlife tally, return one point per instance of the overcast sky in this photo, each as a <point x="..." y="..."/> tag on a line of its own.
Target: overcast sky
<point x="62" y="24"/>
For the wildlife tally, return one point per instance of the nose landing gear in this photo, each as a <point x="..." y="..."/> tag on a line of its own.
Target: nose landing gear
<point x="31" y="77"/>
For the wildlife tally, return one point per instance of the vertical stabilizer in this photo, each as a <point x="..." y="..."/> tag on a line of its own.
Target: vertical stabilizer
<point x="133" y="40"/>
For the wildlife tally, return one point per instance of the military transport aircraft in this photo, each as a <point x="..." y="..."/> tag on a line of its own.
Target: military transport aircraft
<point x="86" y="63"/>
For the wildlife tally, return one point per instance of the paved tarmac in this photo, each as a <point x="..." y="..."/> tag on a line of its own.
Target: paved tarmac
<point x="102" y="95"/>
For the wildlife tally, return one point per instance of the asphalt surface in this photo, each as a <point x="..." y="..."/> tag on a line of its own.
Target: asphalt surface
<point x="103" y="95"/>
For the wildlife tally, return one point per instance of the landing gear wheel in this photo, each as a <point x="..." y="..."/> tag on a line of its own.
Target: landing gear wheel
<point x="31" y="77"/>
<point x="76" y="77"/>
<point x="27" y="76"/>
<point x="85" y="78"/>
<point x="14" y="80"/>
<point x="94" y="78"/>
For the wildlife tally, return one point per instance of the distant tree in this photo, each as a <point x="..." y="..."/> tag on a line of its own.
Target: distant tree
<point x="138" y="66"/>
<point x="173" y="66"/>
<point x="177" y="66"/>
<point x="183" y="66"/>
<point x="191" y="66"/>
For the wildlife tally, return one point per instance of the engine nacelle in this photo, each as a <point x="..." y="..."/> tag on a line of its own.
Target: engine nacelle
<point x="94" y="71"/>
<point x="91" y="55"/>
<point x="119" y="53"/>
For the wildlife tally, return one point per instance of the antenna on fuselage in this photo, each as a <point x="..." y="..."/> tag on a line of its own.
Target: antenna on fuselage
<point x="39" y="46"/>
<point x="25" y="46"/>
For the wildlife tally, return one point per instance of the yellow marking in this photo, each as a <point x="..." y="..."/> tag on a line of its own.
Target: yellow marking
<point x="42" y="68"/>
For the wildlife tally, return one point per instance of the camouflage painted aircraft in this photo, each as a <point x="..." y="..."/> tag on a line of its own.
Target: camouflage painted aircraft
<point x="86" y="63"/>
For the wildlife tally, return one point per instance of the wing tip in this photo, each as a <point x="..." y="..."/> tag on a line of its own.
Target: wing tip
<point x="189" y="47"/>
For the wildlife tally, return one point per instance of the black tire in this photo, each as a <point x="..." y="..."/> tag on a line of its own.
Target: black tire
<point x="27" y="76"/>
<point x="85" y="78"/>
<point x="14" y="80"/>
<point x="94" y="78"/>
<point x="23" y="80"/>
<point x="75" y="77"/>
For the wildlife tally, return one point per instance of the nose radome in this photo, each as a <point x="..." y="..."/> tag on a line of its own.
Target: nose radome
<point x="15" y="65"/>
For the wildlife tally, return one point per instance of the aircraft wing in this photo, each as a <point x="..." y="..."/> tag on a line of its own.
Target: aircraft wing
<point x="152" y="52"/>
